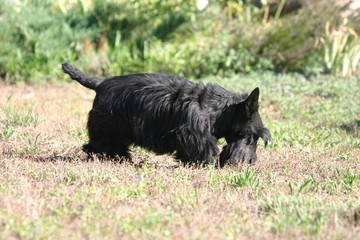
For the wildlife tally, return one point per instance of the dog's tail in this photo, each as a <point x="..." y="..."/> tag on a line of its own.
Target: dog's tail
<point x="89" y="82"/>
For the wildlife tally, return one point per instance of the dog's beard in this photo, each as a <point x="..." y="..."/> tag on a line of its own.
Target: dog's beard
<point x="238" y="152"/>
<point x="265" y="134"/>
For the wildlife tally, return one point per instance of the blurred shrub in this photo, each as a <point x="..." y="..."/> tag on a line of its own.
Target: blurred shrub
<point x="289" y="45"/>
<point x="35" y="39"/>
<point x="127" y="36"/>
<point x="244" y="11"/>
<point x="341" y="47"/>
<point x="37" y="35"/>
<point x="137" y="20"/>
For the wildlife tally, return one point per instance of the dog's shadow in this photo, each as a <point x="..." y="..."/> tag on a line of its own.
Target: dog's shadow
<point x="62" y="158"/>
<point x="80" y="157"/>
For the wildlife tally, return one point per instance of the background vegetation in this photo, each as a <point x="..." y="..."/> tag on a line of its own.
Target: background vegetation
<point x="173" y="36"/>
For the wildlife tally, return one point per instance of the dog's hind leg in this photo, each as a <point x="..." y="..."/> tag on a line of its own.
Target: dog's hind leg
<point x="106" y="136"/>
<point x="109" y="149"/>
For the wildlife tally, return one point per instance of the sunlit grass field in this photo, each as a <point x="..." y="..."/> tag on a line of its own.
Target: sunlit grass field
<point x="305" y="185"/>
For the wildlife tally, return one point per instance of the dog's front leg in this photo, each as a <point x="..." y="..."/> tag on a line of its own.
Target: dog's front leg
<point x="210" y="152"/>
<point x="197" y="148"/>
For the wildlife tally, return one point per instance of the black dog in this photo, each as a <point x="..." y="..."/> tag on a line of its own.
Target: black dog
<point x="167" y="114"/>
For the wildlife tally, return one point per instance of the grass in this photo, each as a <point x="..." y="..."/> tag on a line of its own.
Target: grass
<point x="305" y="184"/>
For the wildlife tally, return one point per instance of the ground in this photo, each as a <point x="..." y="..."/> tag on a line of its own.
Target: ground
<point x="304" y="185"/>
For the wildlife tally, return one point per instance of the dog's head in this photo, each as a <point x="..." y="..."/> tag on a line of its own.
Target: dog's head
<point x="246" y="127"/>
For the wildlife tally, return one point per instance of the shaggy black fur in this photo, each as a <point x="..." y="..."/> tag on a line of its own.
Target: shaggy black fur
<point x="168" y="114"/>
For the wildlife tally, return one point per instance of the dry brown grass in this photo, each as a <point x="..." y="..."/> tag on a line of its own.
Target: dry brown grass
<point x="48" y="189"/>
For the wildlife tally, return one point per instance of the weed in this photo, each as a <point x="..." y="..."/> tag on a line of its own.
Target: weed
<point x="69" y="178"/>
<point x="17" y="118"/>
<point x="341" y="50"/>
<point x="31" y="144"/>
<point x="123" y="193"/>
<point x="79" y="133"/>
<point x="150" y="221"/>
<point x="294" y="211"/>
<point x="308" y="185"/>
<point x="245" y="179"/>
<point x="349" y="179"/>
<point x="7" y="132"/>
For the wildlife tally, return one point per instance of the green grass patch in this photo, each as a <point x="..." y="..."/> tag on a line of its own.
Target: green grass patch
<point x="310" y="215"/>
<point x="20" y="118"/>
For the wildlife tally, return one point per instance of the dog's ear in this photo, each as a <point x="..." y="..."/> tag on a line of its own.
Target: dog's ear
<point x="252" y="102"/>
<point x="265" y="134"/>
